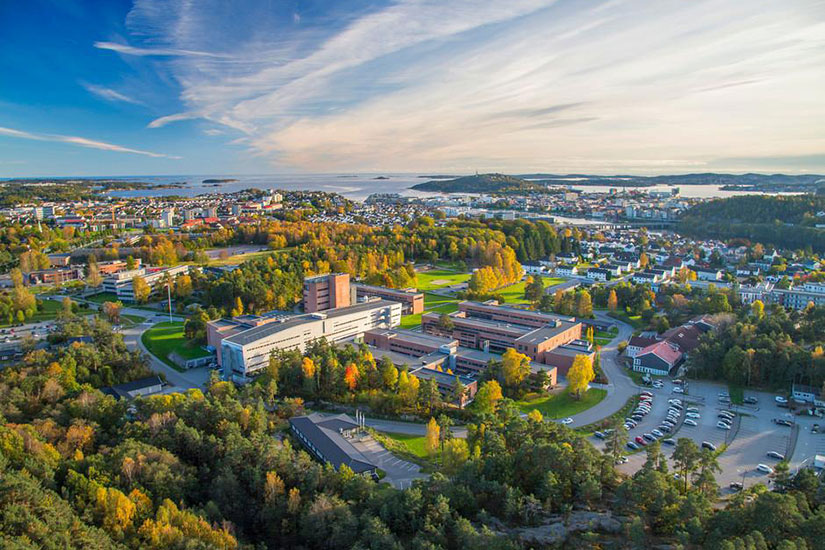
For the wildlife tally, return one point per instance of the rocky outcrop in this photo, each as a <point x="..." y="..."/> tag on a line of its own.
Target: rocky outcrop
<point x="556" y="530"/>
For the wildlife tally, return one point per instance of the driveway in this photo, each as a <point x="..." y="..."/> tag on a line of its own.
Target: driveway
<point x="620" y="386"/>
<point x="408" y="428"/>
<point x="400" y="473"/>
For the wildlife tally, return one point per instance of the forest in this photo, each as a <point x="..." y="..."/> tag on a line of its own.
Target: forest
<point x="217" y="469"/>
<point x="776" y="220"/>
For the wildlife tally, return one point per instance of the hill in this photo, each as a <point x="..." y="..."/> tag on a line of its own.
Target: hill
<point x="482" y="183"/>
<point x="782" y="221"/>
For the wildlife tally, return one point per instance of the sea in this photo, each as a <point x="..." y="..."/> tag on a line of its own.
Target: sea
<point x="353" y="186"/>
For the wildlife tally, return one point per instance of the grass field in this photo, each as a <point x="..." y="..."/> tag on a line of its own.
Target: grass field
<point x="561" y="405"/>
<point x="415" y="444"/>
<point x="514" y="294"/>
<point x="102" y="297"/>
<point x="241" y="258"/>
<point x="633" y="320"/>
<point x="164" y="338"/>
<point x="411" y="321"/>
<point x="427" y="279"/>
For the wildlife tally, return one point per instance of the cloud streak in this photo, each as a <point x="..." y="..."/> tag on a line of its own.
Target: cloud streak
<point x="109" y="94"/>
<point x="519" y="85"/>
<point x="79" y="141"/>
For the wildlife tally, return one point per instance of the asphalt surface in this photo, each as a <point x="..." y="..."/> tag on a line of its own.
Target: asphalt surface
<point x="400" y="473"/>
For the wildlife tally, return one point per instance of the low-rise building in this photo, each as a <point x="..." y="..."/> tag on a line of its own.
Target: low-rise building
<point x="412" y="301"/>
<point x="328" y="439"/>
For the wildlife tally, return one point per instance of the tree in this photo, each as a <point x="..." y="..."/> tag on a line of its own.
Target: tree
<point x="686" y="457"/>
<point x="66" y="304"/>
<point x="580" y="375"/>
<point x="616" y="439"/>
<point x="130" y="263"/>
<point x="93" y="277"/>
<point x="758" y="309"/>
<point x="458" y="392"/>
<point x="584" y="304"/>
<point x="238" y="309"/>
<point x="183" y="286"/>
<point x="487" y="397"/>
<point x="515" y="367"/>
<point x="454" y="456"/>
<point x="389" y="375"/>
<point x="351" y="376"/>
<point x="141" y="289"/>
<point x="612" y="300"/>
<point x="112" y="311"/>
<point x="534" y="290"/>
<point x="445" y="323"/>
<point x="433" y="437"/>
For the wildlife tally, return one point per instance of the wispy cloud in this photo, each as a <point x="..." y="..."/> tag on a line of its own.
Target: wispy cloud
<point x="110" y="94"/>
<point x="80" y="141"/>
<point x="523" y="84"/>
<point x="131" y="50"/>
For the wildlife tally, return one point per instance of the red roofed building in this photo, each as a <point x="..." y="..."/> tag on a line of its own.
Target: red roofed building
<point x="659" y="358"/>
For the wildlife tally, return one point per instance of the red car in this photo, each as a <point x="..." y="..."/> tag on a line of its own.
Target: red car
<point x="641" y="441"/>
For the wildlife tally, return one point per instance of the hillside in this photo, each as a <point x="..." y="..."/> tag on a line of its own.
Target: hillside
<point x="783" y="221"/>
<point x="482" y="183"/>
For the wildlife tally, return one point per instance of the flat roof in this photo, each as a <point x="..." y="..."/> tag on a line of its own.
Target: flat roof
<point x="545" y="333"/>
<point x="324" y="434"/>
<point x="256" y="333"/>
<point x="416" y="337"/>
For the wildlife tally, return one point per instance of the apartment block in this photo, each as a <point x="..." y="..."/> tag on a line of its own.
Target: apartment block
<point x="325" y="292"/>
<point x="120" y="283"/>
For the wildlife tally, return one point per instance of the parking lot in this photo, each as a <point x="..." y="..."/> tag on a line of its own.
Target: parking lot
<point x="752" y="436"/>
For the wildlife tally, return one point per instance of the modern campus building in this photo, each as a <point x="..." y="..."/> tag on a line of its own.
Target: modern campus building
<point x="328" y="438"/>
<point x="411" y="300"/>
<point x="325" y="292"/>
<point x="493" y="328"/>
<point x="120" y="283"/>
<point x="427" y="354"/>
<point x="243" y="344"/>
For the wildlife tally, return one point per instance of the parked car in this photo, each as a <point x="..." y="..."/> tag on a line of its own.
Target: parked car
<point x="678" y="382"/>
<point x="723" y="425"/>
<point x="815" y="429"/>
<point x="567" y="421"/>
<point x="621" y="460"/>
<point x="647" y="393"/>
<point x="599" y="435"/>
<point x="750" y="400"/>
<point x="724" y="394"/>
<point x="724" y="415"/>
<point x="736" y="486"/>
<point x="708" y="445"/>
<point x="764" y="468"/>
<point x="632" y="446"/>
<point x="650" y="437"/>
<point x="677" y="389"/>
<point x="781" y="400"/>
<point x="669" y="441"/>
<point x="692" y="409"/>
<point x="690" y="422"/>
<point x="658" y="433"/>
<point x="776" y="454"/>
<point x="782" y="422"/>
<point x="665" y="429"/>
<point x="693" y="415"/>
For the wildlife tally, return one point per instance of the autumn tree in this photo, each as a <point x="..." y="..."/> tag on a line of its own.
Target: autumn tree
<point x="612" y="300"/>
<point x="112" y="311"/>
<point x="758" y="309"/>
<point x="584" y="304"/>
<point x="580" y="375"/>
<point x="487" y="397"/>
<point x="141" y="289"/>
<point x="515" y="367"/>
<point x="454" y="456"/>
<point x="433" y="437"/>
<point x="351" y="376"/>
<point x="93" y="277"/>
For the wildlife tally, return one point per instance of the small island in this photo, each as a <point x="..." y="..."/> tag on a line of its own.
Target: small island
<point x="483" y="183"/>
<point x="225" y="180"/>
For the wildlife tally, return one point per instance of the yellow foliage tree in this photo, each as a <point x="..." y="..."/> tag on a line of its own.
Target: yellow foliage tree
<point x="433" y="437"/>
<point x="515" y="367"/>
<point x="580" y="375"/>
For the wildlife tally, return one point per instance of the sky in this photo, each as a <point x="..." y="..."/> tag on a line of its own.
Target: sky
<point x="155" y="87"/>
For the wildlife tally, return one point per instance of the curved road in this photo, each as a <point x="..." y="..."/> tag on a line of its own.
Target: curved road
<point x="620" y="387"/>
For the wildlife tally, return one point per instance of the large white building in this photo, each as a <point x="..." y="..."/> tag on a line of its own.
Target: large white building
<point x="121" y="283"/>
<point x="244" y="346"/>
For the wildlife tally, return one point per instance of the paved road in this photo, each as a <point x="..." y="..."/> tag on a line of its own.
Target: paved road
<point x="620" y="387"/>
<point x="400" y="473"/>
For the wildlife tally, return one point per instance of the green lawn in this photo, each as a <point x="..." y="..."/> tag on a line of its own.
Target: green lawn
<point x="437" y="278"/>
<point x="432" y="300"/>
<point x="241" y="258"/>
<point x="415" y="444"/>
<point x="164" y="338"/>
<point x="633" y="320"/>
<point x="562" y="405"/>
<point x="48" y="313"/>
<point x="411" y="321"/>
<point x="513" y="294"/>
<point x="102" y="297"/>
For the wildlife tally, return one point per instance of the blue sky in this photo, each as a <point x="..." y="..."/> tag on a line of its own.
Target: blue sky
<point x="613" y="86"/>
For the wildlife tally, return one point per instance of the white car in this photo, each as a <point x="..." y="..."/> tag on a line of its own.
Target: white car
<point x="723" y="425"/>
<point x="689" y="422"/>
<point x="677" y="389"/>
<point x="764" y="468"/>
<point x="693" y="415"/>
<point x="567" y="421"/>
<point x="656" y="432"/>
<point x="781" y="400"/>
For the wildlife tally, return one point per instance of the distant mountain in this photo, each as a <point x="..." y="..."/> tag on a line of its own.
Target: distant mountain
<point x="482" y="183"/>
<point x="764" y="182"/>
